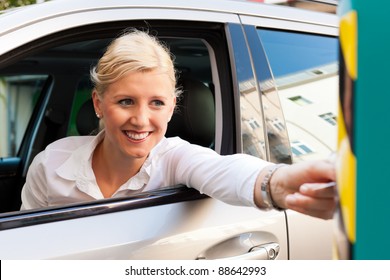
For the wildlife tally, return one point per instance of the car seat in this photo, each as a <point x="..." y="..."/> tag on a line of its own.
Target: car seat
<point x="86" y="121"/>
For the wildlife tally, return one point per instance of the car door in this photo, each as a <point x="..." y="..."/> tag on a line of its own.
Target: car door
<point x="172" y="223"/>
<point x="300" y="97"/>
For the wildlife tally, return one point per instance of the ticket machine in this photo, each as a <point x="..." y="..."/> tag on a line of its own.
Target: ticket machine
<point x="363" y="162"/>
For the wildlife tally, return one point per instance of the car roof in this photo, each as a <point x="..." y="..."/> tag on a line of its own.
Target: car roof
<point x="27" y="15"/>
<point x="25" y="24"/>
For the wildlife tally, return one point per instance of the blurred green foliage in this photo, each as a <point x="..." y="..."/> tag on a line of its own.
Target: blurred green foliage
<point x="5" y="4"/>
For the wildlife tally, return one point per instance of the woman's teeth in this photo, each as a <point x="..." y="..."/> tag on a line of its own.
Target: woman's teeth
<point x="137" y="136"/>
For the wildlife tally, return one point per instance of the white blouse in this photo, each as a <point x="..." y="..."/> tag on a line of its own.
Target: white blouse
<point x="62" y="173"/>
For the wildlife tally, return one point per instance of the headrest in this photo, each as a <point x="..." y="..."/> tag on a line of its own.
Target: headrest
<point x="194" y="118"/>
<point x="86" y="121"/>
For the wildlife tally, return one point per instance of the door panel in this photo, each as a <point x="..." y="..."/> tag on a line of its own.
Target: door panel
<point x="9" y="184"/>
<point x="172" y="231"/>
<point x="289" y="48"/>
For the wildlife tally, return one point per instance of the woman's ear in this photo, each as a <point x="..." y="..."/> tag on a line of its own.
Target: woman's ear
<point x="97" y="104"/>
<point x="172" y="109"/>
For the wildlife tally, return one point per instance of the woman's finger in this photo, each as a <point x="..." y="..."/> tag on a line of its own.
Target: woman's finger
<point x="317" y="207"/>
<point x="319" y="190"/>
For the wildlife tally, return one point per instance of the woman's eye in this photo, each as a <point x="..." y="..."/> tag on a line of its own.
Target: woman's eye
<point x="126" y="102"/>
<point x="158" y="103"/>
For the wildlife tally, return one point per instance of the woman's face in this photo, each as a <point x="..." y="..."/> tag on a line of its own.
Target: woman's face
<point x="136" y="110"/>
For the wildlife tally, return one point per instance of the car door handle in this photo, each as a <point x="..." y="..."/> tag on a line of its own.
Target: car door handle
<point x="268" y="251"/>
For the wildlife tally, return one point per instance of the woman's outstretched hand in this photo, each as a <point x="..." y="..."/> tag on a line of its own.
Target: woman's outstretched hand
<point x="306" y="187"/>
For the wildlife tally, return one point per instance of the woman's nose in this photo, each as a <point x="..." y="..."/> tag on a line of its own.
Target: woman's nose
<point x="140" y="116"/>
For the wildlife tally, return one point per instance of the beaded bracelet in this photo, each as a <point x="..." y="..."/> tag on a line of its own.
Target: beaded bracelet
<point x="265" y="189"/>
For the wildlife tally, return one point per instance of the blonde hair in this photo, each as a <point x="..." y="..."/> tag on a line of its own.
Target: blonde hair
<point x="134" y="51"/>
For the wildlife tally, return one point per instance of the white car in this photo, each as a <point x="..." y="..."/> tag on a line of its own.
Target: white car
<point x="267" y="76"/>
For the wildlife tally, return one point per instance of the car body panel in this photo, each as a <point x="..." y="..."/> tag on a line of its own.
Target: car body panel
<point x="180" y="231"/>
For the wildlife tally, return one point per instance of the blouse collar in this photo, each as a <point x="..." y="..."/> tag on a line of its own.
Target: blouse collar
<point x="78" y="168"/>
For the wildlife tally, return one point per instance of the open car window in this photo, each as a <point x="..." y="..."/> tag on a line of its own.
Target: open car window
<point x="57" y="68"/>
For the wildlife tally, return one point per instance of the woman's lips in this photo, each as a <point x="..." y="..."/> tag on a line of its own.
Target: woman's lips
<point x="137" y="136"/>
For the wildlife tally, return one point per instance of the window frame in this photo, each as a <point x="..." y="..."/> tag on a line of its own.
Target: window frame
<point x="212" y="33"/>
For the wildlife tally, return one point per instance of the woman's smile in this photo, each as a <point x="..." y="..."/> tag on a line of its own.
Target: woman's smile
<point x="137" y="136"/>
